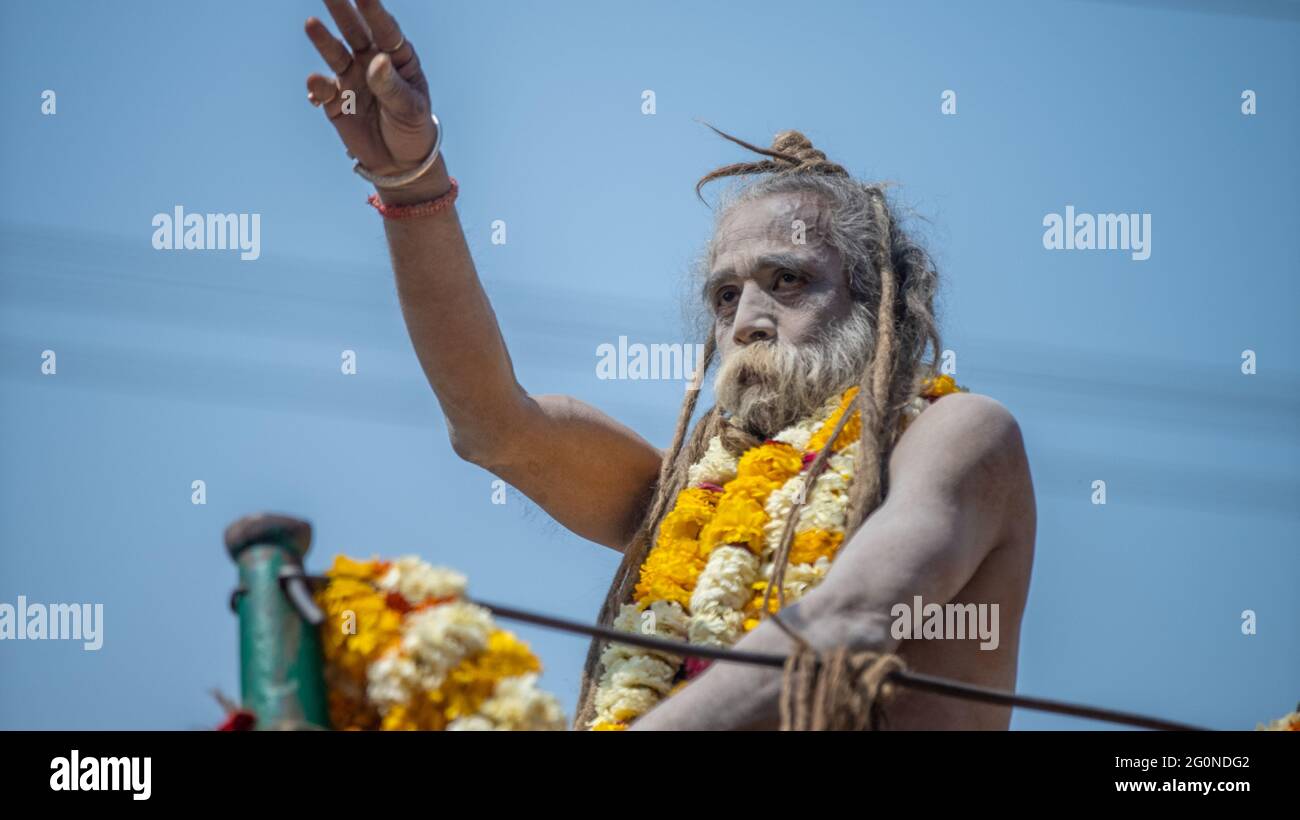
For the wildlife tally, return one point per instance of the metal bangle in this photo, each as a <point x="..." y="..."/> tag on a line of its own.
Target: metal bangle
<point x="398" y="180"/>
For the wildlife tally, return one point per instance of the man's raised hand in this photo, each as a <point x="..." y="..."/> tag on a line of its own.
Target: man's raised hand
<point x="378" y="99"/>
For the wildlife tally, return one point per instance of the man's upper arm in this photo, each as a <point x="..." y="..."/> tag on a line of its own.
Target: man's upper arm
<point x="588" y="471"/>
<point x="959" y="488"/>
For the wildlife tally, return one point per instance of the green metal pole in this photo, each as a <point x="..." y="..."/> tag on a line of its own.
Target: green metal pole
<point x="280" y="664"/>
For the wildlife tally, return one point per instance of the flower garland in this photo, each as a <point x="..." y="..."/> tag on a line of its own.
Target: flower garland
<point x="403" y="650"/>
<point x="1289" y="722"/>
<point x="713" y="558"/>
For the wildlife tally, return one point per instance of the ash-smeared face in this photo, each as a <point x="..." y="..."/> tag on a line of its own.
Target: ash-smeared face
<point x="788" y="331"/>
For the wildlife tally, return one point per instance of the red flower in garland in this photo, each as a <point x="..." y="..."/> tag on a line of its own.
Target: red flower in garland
<point x="696" y="666"/>
<point x="239" y="720"/>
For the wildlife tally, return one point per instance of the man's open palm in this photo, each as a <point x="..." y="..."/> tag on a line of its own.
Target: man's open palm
<point x="378" y="99"/>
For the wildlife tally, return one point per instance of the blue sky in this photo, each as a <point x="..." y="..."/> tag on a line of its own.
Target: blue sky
<point x="176" y="366"/>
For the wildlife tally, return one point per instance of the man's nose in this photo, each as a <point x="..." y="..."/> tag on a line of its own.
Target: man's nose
<point x="754" y="318"/>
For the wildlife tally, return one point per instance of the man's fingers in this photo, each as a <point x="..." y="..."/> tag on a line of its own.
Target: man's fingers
<point x="336" y="55"/>
<point x="350" y="24"/>
<point x="395" y="95"/>
<point x="384" y="29"/>
<point x="323" y="91"/>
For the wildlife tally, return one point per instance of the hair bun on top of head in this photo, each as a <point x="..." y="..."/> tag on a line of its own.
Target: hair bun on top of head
<point x="791" y="153"/>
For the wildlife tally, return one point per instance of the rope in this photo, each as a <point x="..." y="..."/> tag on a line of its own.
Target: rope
<point x="782" y="556"/>
<point x="836" y="691"/>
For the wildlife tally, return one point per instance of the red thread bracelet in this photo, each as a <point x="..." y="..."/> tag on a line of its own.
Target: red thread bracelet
<point x="429" y="208"/>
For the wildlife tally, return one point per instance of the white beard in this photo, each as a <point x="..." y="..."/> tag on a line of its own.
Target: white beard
<point x="767" y="386"/>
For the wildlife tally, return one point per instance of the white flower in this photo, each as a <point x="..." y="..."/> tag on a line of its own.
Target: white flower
<point x="780" y="505"/>
<point x="725" y="580"/>
<point x="516" y="705"/>
<point x="390" y="679"/>
<point x="717" y="627"/>
<point x="642" y="670"/>
<point x="720" y="594"/>
<point x="827" y="505"/>
<point x="617" y="704"/>
<point x="471" y="723"/>
<point x="799" y="578"/>
<point x="417" y="581"/>
<point x="667" y="618"/>
<point x="798" y="435"/>
<point x="842" y="462"/>
<point x="716" y="466"/>
<point x="440" y="637"/>
<point x="634" y="679"/>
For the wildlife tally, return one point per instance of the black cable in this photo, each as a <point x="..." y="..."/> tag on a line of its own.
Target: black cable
<point x="910" y="679"/>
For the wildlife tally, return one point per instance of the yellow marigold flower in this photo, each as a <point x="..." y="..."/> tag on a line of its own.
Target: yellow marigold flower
<point x="421" y="715"/>
<point x="359" y="624"/>
<point x="349" y="568"/>
<point x="659" y="586"/>
<point x="669" y="573"/>
<point x="670" y="570"/>
<point x="694" y="508"/>
<point x="773" y="461"/>
<point x="813" y="544"/>
<point x="740" y="516"/>
<point x="474" y="679"/>
<point x="939" y="386"/>
<point x="852" y="428"/>
<point x="739" y="521"/>
<point x="753" y="487"/>
<point x="755" y="604"/>
<point x="358" y="627"/>
<point x="607" y="726"/>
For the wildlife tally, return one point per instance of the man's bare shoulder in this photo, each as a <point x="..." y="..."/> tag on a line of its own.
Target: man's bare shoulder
<point x="965" y="443"/>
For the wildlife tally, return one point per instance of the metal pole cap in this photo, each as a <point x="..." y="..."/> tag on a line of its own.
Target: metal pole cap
<point x="268" y="528"/>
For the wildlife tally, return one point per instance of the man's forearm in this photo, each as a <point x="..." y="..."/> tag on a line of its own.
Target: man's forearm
<point x="450" y="321"/>
<point x="908" y="547"/>
<point x="746" y="696"/>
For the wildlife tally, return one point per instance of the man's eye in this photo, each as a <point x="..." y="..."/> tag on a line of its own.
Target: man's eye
<point x="787" y="278"/>
<point x="726" y="296"/>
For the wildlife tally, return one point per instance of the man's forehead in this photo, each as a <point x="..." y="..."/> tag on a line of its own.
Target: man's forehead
<point x="774" y="214"/>
<point x="771" y="221"/>
<point x="780" y="224"/>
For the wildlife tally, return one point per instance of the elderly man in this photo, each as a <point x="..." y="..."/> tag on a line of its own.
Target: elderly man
<point x="816" y="482"/>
